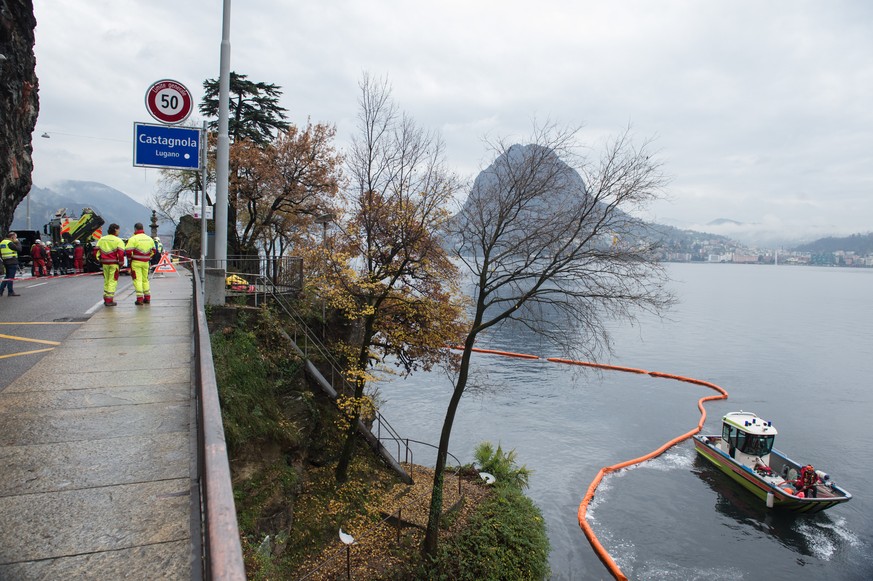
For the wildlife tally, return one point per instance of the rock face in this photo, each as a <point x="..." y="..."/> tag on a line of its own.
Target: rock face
<point x="19" y="104"/>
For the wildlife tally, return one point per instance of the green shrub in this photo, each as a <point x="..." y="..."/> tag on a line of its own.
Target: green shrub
<point x="502" y="465"/>
<point x="505" y="537"/>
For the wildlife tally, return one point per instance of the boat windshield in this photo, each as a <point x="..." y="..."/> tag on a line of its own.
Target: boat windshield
<point x="751" y="444"/>
<point x="757" y="445"/>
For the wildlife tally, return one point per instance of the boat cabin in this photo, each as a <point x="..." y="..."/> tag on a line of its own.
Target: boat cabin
<point x="747" y="438"/>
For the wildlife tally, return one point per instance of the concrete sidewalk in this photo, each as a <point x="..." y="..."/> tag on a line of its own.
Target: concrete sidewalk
<point x="98" y="474"/>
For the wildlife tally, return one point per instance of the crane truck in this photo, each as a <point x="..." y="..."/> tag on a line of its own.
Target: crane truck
<point x="64" y="230"/>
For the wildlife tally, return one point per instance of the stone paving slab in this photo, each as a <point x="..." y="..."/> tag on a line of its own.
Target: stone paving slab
<point x="130" y="360"/>
<point x="70" y="399"/>
<point x="108" y="518"/>
<point x="44" y="427"/>
<point x="120" y="355"/>
<point x="170" y="334"/>
<point x="76" y="465"/>
<point x="159" y="561"/>
<point x="158" y="328"/>
<point x="169" y="311"/>
<point x="46" y="379"/>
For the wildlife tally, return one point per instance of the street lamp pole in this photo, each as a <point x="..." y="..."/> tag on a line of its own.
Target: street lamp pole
<point x="222" y="167"/>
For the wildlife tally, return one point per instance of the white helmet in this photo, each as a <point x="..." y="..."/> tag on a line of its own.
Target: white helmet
<point x="38" y="241"/>
<point x="157" y="239"/>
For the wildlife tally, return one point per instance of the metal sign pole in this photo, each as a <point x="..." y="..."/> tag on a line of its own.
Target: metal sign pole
<point x="203" y="176"/>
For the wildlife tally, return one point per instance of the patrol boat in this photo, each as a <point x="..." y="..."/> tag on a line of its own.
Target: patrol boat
<point x="744" y="451"/>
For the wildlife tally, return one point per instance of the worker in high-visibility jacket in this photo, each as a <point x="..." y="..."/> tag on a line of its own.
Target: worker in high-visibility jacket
<point x="110" y="253"/>
<point x="140" y="249"/>
<point x="9" y="249"/>
<point x="78" y="257"/>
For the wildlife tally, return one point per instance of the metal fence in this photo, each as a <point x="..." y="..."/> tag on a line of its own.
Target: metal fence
<point x="277" y="279"/>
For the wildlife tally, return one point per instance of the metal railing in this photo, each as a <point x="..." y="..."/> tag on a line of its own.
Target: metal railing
<point x="285" y="273"/>
<point x="222" y="550"/>
<point x="313" y="346"/>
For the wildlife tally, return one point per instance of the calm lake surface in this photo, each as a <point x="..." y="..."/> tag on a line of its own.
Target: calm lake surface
<point x="792" y="344"/>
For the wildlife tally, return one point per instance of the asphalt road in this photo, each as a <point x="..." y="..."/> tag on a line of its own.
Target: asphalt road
<point x="47" y="312"/>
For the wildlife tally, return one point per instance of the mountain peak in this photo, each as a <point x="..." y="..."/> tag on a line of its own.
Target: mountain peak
<point x="723" y="221"/>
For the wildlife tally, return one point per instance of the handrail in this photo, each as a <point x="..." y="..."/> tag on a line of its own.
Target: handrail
<point x="222" y="550"/>
<point x="458" y="464"/>
<point x="336" y="375"/>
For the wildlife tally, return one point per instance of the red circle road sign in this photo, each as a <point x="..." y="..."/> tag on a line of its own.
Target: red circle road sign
<point x="168" y="101"/>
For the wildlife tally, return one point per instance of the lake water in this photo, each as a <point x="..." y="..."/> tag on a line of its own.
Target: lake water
<point x="792" y="344"/>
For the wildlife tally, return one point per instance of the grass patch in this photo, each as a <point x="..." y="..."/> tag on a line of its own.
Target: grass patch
<point x="259" y="388"/>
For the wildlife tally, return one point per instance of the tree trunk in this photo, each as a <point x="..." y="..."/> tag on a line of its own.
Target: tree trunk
<point x="431" y="539"/>
<point x="342" y="467"/>
<point x="345" y="459"/>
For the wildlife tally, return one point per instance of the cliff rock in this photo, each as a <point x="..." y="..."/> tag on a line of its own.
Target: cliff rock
<point x="19" y="104"/>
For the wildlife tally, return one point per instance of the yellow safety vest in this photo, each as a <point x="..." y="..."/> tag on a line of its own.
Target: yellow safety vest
<point x="111" y="249"/>
<point x="141" y="247"/>
<point x="6" y="250"/>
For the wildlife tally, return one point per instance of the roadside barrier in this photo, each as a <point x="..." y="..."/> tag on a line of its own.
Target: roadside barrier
<point x="602" y="553"/>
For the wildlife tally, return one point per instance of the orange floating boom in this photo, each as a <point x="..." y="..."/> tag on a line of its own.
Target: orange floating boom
<point x="602" y="553"/>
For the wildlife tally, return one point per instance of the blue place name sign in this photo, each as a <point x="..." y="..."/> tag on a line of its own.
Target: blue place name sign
<point x="166" y="147"/>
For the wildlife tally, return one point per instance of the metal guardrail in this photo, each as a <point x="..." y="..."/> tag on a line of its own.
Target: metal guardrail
<point x="222" y="550"/>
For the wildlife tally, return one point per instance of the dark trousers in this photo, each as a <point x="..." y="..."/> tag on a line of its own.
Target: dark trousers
<point x="7" y="280"/>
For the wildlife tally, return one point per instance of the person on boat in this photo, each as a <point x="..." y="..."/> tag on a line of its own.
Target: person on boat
<point x="806" y="482"/>
<point x="761" y="466"/>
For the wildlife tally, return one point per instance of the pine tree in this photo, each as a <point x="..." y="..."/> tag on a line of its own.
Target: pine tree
<point x="255" y="113"/>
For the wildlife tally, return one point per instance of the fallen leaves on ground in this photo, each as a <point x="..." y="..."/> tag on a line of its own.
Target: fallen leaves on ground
<point x="397" y="538"/>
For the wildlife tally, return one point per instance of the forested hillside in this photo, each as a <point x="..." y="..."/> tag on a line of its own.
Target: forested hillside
<point x="857" y="243"/>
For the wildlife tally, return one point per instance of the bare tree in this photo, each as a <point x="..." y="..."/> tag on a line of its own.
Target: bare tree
<point x="393" y="278"/>
<point x="551" y="243"/>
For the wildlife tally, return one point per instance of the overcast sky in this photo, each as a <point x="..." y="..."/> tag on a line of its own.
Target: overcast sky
<point x="762" y="112"/>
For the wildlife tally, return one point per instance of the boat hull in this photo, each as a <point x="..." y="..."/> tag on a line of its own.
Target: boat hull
<point x="829" y="496"/>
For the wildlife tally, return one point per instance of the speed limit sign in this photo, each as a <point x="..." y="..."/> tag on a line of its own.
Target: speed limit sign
<point x="168" y="101"/>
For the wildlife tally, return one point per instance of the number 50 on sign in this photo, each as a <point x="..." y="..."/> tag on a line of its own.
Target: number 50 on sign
<point x="168" y="101"/>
